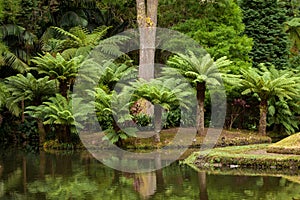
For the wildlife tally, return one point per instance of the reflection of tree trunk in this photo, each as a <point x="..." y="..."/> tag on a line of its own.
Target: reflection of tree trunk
<point x="157" y="122"/>
<point x="24" y="175"/>
<point x="159" y="174"/>
<point x="42" y="164"/>
<point x="200" y="108"/>
<point x="116" y="128"/>
<point x="159" y="180"/>
<point x="270" y="182"/>
<point x="202" y="186"/>
<point x="87" y="160"/>
<point x="263" y="107"/>
<point x="145" y="184"/>
<point x="63" y="165"/>
<point x="116" y="178"/>
<point x="52" y="168"/>
<point x="42" y="131"/>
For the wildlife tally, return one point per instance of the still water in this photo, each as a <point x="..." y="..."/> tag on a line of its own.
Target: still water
<point x="79" y="176"/>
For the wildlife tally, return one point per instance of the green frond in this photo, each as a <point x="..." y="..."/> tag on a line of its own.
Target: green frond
<point x="199" y="69"/>
<point x="14" y="62"/>
<point x="67" y="34"/>
<point x="27" y="88"/>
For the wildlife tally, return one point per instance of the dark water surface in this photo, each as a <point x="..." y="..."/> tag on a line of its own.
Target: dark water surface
<point x="79" y="176"/>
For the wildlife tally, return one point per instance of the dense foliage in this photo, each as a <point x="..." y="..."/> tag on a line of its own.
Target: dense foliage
<point x="44" y="44"/>
<point x="264" y="23"/>
<point x="220" y="31"/>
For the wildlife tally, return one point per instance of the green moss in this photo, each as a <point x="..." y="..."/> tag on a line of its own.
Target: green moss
<point x="55" y="145"/>
<point x="251" y="156"/>
<point x="289" y="145"/>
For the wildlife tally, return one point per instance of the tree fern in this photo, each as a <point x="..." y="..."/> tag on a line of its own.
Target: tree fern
<point x="201" y="71"/>
<point x="17" y="56"/>
<point x="269" y="83"/>
<point x="57" y="67"/>
<point x="163" y="93"/>
<point x="77" y="41"/>
<point x="112" y="112"/>
<point x="29" y="89"/>
<point x="59" y="111"/>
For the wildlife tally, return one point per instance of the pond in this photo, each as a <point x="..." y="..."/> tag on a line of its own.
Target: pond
<point x="70" y="175"/>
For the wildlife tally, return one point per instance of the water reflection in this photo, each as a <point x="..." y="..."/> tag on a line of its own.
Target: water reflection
<point x="202" y="186"/>
<point x="72" y="175"/>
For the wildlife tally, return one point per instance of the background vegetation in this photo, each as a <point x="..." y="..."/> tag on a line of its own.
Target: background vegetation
<point x="44" y="43"/>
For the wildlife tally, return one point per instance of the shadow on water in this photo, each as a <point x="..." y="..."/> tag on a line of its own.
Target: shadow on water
<point x="77" y="175"/>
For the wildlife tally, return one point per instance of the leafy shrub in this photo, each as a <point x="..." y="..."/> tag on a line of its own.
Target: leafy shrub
<point x="29" y="129"/>
<point x="172" y="118"/>
<point x="142" y="120"/>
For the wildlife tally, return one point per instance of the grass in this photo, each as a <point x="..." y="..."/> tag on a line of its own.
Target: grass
<point x="289" y="145"/>
<point x="250" y="156"/>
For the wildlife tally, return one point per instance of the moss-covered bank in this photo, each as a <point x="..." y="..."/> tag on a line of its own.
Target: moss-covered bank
<point x="227" y="138"/>
<point x="289" y="145"/>
<point x="250" y="156"/>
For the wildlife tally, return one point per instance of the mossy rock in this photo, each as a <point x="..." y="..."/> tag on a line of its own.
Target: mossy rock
<point x="289" y="145"/>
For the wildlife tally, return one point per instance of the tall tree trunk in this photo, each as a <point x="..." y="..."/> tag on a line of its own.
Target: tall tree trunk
<point x="42" y="132"/>
<point x="200" y="108"/>
<point x="157" y="122"/>
<point x="263" y="109"/>
<point x="147" y="20"/>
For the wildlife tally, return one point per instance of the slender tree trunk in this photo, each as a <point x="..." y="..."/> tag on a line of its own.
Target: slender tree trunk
<point x="67" y="134"/>
<point x="63" y="88"/>
<point x="200" y="108"/>
<point x="116" y="128"/>
<point x="263" y="108"/>
<point x="42" y="132"/>
<point x="157" y="122"/>
<point x="23" y="108"/>
<point x="64" y="134"/>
